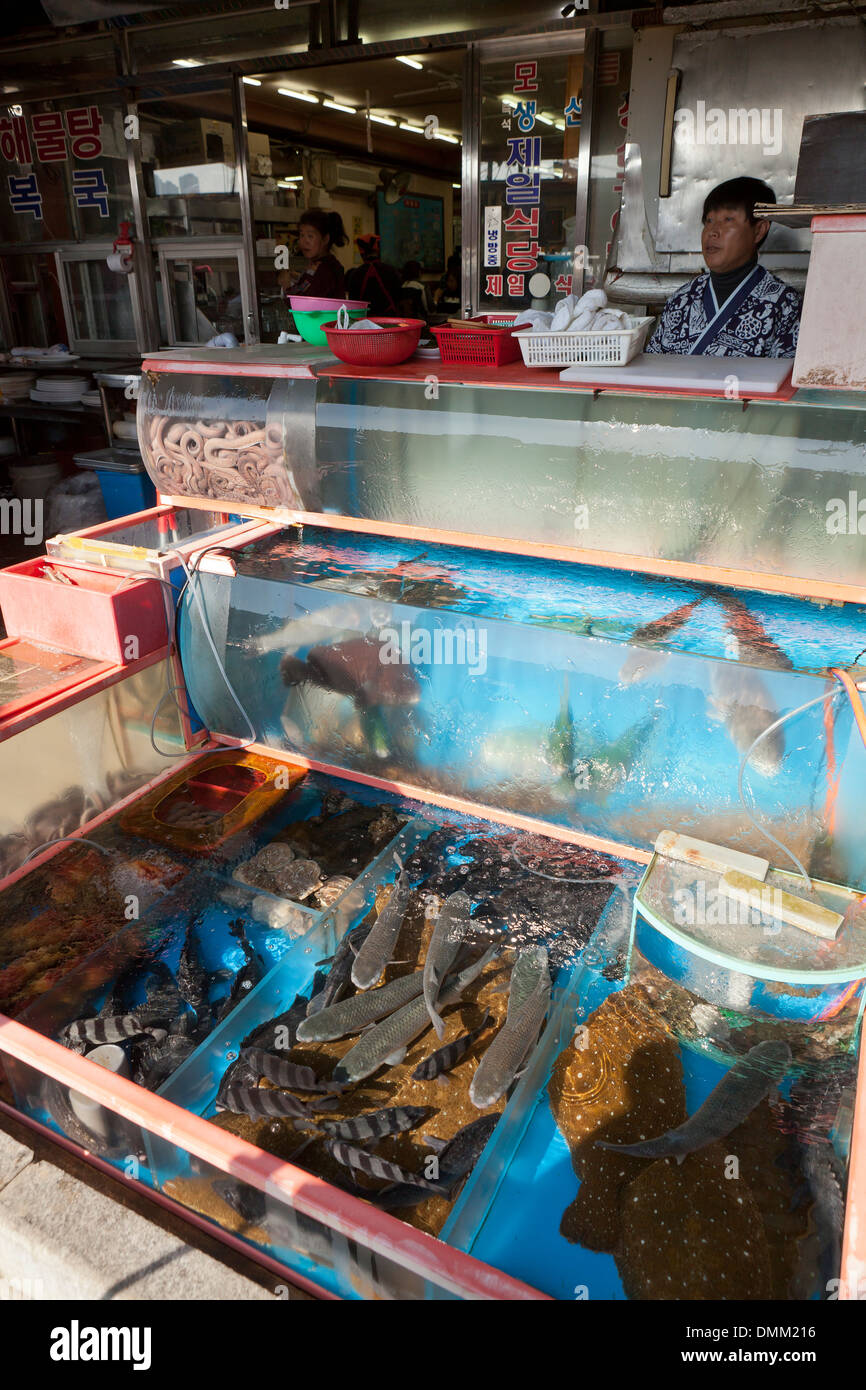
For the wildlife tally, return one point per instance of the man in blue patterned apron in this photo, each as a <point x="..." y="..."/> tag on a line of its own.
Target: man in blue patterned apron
<point x="736" y="308"/>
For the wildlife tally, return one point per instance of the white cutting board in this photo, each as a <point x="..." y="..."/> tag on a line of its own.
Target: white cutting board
<point x="755" y="375"/>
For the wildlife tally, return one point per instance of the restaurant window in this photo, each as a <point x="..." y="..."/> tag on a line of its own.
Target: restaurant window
<point x="100" y="305"/>
<point x="200" y="292"/>
<point x="63" y="171"/>
<point x="31" y="301"/>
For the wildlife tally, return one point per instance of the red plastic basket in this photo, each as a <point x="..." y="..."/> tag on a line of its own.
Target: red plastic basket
<point x="360" y="347"/>
<point x="488" y="345"/>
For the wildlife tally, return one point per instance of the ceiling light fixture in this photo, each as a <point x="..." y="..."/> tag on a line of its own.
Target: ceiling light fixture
<point x="253" y="81"/>
<point x="290" y="178"/>
<point x="455" y="185"/>
<point x="338" y="106"/>
<point x="299" y="96"/>
<point x="415" y="129"/>
<point x="545" y="120"/>
<point x="186" y="62"/>
<point x="412" y="63"/>
<point x="383" y="120"/>
<point x="452" y="139"/>
<point x="509" y="101"/>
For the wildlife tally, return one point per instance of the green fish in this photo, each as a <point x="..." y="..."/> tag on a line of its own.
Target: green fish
<point x="560" y="740"/>
<point x="612" y="762"/>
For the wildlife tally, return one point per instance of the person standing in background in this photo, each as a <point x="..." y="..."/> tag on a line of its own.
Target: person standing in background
<point x="413" y="293"/>
<point x="323" y="277"/>
<point x="373" y="280"/>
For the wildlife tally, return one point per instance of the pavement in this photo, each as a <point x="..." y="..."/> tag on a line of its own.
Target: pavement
<point x="70" y="1232"/>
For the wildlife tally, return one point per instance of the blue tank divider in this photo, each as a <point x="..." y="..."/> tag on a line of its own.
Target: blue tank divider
<point x="503" y="1178"/>
<point x="195" y="1083"/>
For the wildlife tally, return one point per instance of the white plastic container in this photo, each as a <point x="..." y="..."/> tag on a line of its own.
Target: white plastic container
<point x="34" y="479"/>
<point x="603" y="349"/>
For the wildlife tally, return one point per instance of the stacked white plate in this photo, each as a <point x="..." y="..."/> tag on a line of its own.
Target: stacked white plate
<point x="59" y="390"/>
<point x="16" y="386"/>
<point x="91" y="398"/>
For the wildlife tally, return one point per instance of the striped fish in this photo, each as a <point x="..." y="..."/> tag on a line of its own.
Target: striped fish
<point x="451" y="927"/>
<point x="263" y="1104"/>
<point x="351" y="1015"/>
<point x="389" y="1037"/>
<point x="376" y="1167"/>
<point x="395" y="1119"/>
<point x="444" y="1058"/>
<point x="114" y="1029"/>
<point x="378" y="948"/>
<point x="334" y="985"/>
<point x="282" y="1073"/>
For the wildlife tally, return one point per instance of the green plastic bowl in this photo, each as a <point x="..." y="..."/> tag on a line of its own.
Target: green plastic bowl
<point x="309" y="322"/>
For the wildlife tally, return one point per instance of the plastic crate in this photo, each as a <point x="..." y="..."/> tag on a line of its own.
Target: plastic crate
<point x="491" y="344"/>
<point x="88" y="612"/>
<point x="604" y="349"/>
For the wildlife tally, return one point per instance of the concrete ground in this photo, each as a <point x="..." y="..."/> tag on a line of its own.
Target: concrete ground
<point x="69" y="1232"/>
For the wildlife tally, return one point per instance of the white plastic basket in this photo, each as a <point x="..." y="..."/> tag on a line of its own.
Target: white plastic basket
<point x="604" y="349"/>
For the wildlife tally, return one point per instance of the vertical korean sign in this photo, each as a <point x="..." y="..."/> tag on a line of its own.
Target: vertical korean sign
<point x="528" y="170"/>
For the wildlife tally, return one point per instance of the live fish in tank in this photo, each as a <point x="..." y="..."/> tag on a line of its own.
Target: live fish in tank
<point x="377" y="949"/>
<point x="528" y="1002"/>
<point x="452" y="924"/>
<point x="354" y="668"/>
<point x="742" y="1088"/>
<point x="646" y="654"/>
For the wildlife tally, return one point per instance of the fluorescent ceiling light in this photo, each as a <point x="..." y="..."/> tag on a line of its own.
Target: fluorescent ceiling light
<point x="253" y="81"/>
<point x="338" y="106"/>
<point x="415" y="129"/>
<point x="452" y="139"/>
<point x="509" y="101"/>
<point x="299" y="96"/>
<point x="545" y="120"/>
<point x="186" y="62"/>
<point x="383" y="120"/>
<point x="291" y="178"/>
<point x="560" y="125"/>
<point x="411" y="63"/>
<point x="455" y="185"/>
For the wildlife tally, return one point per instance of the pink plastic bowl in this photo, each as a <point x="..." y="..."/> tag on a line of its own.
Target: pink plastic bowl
<point x="309" y="304"/>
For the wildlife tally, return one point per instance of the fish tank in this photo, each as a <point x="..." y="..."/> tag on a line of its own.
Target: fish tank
<point x="611" y="704"/>
<point x="235" y="1001"/>
<point x="230" y="437"/>
<point x="89" y="756"/>
<point x="756" y="486"/>
<point x="145" y="544"/>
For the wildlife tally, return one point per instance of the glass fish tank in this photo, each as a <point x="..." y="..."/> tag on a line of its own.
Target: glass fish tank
<point x="611" y="704"/>
<point x="448" y="1020"/>
<point x="89" y="755"/>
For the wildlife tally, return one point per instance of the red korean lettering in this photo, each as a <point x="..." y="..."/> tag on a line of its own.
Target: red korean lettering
<point x="525" y="75"/>
<point x="14" y="144"/>
<point x="84" y="124"/>
<point x="49" y="137"/>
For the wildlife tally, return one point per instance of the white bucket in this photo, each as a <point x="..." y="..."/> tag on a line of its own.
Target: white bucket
<point x="34" y="479"/>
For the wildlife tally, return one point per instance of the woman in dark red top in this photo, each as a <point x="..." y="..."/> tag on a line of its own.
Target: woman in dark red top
<point x="323" y="277"/>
